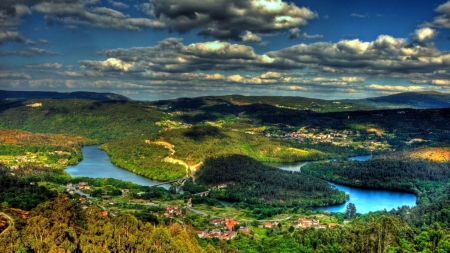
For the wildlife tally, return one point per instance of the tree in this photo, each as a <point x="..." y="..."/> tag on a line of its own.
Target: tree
<point x="350" y="211"/>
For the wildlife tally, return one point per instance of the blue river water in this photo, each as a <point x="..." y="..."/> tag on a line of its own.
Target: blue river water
<point x="97" y="164"/>
<point x="365" y="200"/>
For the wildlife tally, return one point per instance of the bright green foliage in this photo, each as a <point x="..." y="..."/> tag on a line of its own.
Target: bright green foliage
<point x="96" y="120"/>
<point x="144" y="159"/>
<point x="195" y="144"/>
<point x="61" y="226"/>
<point x="23" y="193"/>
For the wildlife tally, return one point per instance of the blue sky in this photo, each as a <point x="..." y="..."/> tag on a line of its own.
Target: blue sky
<point x="160" y="49"/>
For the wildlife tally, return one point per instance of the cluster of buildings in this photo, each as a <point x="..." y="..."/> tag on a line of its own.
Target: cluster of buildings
<point x="319" y="137"/>
<point x="305" y="223"/>
<point x="217" y="233"/>
<point x="81" y="185"/>
<point x="224" y="233"/>
<point x="173" y="211"/>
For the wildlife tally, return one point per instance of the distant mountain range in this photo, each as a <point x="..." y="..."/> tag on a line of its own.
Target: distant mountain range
<point x="425" y="99"/>
<point x="27" y="95"/>
<point x="416" y="100"/>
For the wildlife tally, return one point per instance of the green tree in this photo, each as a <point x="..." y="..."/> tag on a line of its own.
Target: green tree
<point x="350" y="211"/>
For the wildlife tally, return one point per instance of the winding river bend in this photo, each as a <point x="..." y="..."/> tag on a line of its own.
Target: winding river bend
<point x="97" y="164"/>
<point x="365" y="200"/>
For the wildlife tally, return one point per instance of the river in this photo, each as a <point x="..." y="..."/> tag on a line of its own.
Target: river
<point x="97" y="164"/>
<point x="365" y="200"/>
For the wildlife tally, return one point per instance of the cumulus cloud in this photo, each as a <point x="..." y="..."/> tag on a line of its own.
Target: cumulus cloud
<point x="10" y="18"/>
<point x="10" y="36"/>
<point x="170" y="55"/>
<point x="350" y="61"/>
<point x="228" y="19"/>
<point x="385" y="55"/>
<point x="442" y="20"/>
<point x="76" y="12"/>
<point x="424" y="34"/>
<point x="251" y="37"/>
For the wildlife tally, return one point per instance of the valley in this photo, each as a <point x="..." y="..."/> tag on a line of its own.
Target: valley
<point x="229" y="146"/>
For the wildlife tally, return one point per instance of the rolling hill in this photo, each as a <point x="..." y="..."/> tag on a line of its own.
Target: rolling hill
<point x="418" y="100"/>
<point x="27" y="95"/>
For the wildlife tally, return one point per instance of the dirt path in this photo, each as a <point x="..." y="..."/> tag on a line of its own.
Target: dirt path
<point x="10" y="219"/>
<point x="164" y="144"/>
<point x="170" y="159"/>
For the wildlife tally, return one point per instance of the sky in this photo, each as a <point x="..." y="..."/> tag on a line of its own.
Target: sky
<point x="163" y="49"/>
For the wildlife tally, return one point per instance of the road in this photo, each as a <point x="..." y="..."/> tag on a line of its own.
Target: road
<point x="10" y="219"/>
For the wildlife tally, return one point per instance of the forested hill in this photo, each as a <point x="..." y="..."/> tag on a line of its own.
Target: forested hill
<point x="420" y="100"/>
<point x="247" y="180"/>
<point x="27" y="95"/>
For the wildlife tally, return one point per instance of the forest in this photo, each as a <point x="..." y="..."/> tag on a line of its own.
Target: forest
<point x="397" y="171"/>
<point x="249" y="181"/>
<point x="101" y="121"/>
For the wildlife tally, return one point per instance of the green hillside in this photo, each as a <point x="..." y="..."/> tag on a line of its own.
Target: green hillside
<point x="96" y="120"/>
<point x="168" y="155"/>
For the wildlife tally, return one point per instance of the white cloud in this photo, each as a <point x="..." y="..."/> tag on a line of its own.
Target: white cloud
<point x="14" y="75"/>
<point x="47" y="65"/>
<point x="118" y="4"/>
<point x="353" y="79"/>
<point x="441" y="82"/>
<point x="228" y="19"/>
<point x="76" y="13"/>
<point x="424" y="34"/>
<point x="311" y="36"/>
<point x="442" y="20"/>
<point x="395" y="88"/>
<point x="251" y="37"/>
<point x="10" y="36"/>
<point x="359" y="15"/>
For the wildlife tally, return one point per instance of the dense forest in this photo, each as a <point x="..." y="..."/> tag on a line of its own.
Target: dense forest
<point x="142" y="158"/>
<point x="20" y="192"/>
<point x="97" y="120"/>
<point x="61" y="225"/>
<point x="384" y="172"/>
<point x="250" y="181"/>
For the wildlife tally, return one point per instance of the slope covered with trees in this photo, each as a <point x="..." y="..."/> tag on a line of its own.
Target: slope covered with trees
<point x="62" y="226"/>
<point x="97" y="120"/>
<point x="240" y="178"/>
